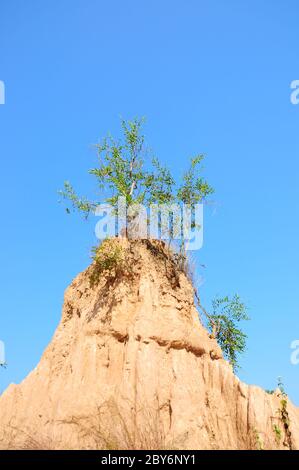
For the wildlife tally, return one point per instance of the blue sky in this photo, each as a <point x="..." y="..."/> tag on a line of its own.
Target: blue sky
<point x="211" y="77"/>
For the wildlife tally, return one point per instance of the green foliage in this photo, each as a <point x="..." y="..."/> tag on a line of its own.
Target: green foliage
<point x="126" y="168"/>
<point x="258" y="440"/>
<point x="80" y="204"/>
<point x="284" y="414"/>
<point x="109" y="257"/>
<point x="160" y="184"/>
<point x="194" y="188"/>
<point x="223" y="324"/>
<point x="278" y="433"/>
<point x="281" y="387"/>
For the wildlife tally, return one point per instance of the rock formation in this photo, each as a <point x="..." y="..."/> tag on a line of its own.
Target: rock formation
<point x="130" y="366"/>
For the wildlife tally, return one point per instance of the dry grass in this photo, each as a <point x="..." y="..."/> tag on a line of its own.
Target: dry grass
<point x="111" y="429"/>
<point x="18" y="439"/>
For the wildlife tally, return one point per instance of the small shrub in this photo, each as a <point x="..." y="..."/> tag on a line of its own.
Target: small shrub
<point x="284" y="415"/>
<point x="278" y="433"/>
<point x="108" y="258"/>
<point x="258" y="440"/>
<point x="223" y="325"/>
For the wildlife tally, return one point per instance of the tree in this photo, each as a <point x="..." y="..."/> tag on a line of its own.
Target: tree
<point x="126" y="168"/>
<point x="223" y="326"/>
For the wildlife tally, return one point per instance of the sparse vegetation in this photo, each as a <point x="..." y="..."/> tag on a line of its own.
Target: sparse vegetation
<point x="259" y="445"/>
<point x="278" y="434"/>
<point x="20" y="439"/>
<point x="284" y="415"/>
<point x="109" y="257"/>
<point x="110" y="428"/>
<point x="223" y="324"/>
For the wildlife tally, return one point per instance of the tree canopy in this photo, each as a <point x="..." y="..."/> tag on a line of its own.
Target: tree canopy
<point x="127" y="168"/>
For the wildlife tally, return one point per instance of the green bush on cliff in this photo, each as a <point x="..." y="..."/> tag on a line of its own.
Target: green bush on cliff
<point x="109" y="257"/>
<point x="223" y="324"/>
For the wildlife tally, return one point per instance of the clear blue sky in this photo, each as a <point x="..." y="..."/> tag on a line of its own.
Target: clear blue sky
<point x="210" y="76"/>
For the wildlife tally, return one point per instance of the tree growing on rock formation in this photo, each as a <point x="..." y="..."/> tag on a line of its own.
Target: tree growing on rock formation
<point x="223" y="325"/>
<point x="126" y="168"/>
